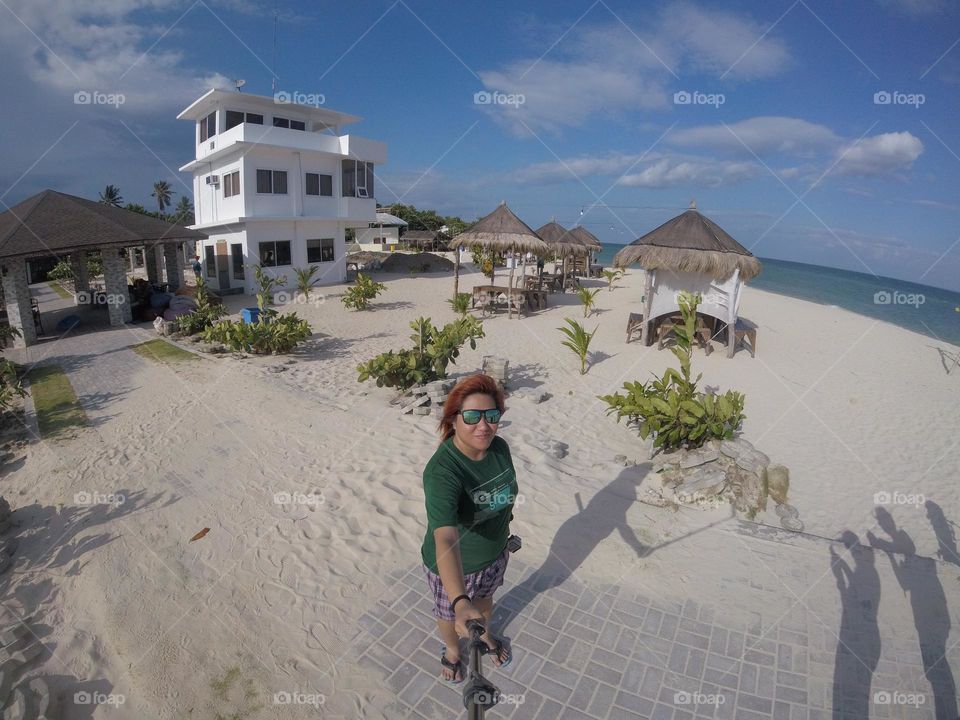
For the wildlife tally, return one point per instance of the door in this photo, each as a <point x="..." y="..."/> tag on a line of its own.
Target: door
<point x="223" y="265"/>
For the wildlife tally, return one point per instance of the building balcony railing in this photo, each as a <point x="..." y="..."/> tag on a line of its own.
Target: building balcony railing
<point x="353" y="146"/>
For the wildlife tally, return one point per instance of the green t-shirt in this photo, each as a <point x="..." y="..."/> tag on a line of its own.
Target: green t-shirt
<point x="475" y="496"/>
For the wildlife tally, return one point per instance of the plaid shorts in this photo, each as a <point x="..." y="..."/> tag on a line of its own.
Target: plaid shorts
<point x="480" y="584"/>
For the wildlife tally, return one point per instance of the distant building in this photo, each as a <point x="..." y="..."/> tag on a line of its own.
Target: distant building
<point x="276" y="184"/>
<point x="383" y="234"/>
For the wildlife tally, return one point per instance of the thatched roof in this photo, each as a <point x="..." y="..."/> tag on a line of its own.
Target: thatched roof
<point x="586" y="237"/>
<point x="690" y="242"/>
<point x="561" y="240"/>
<point x="501" y="230"/>
<point x="52" y="222"/>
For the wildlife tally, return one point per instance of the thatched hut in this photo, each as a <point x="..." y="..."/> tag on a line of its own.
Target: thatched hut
<point x="421" y="239"/>
<point x="500" y="231"/>
<point x="562" y="242"/>
<point x="591" y="241"/>
<point x="690" y="252"/>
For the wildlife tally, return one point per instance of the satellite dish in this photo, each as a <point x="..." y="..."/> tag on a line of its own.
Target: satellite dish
<point x="239" y="84"/>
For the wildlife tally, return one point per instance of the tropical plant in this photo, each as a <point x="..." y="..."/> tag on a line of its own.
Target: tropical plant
<point x="433" y="350"/>
<point x="578" y="340"/>
<point x="269" y="335"/>
<point x="61" y="271"/>
<point x="671" y="408"/>
<point x="265" y="287"/>
<point x="183" y="212"/>
<point x="10" y="383"/>
<point x="359" y="295"/>
<point x="305" y="279"/>
<point x="205" y="314"/>
<point x="461" y="303"/>
<point x="7" y="333"/>
<point x="111" y="196"/>
<point x="163" y="194"/>
<point x="94" y="264"/>
<point x="587" y="297"/>
<point x="612" y="276"/>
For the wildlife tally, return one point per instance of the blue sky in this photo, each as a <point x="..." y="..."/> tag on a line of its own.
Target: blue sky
<point x="783" y="143"/>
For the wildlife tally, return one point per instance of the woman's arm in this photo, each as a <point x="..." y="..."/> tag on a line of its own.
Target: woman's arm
<point x="450" y="570"/>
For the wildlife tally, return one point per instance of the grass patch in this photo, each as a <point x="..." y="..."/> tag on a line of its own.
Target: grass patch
<point x="163" y="352"/>
<point x="54" y="401"/>
<point x="60" y="290"/>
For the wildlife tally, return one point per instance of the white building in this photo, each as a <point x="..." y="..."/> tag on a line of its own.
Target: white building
<point x="383" y="235"/>
<point x="276" y="184"/>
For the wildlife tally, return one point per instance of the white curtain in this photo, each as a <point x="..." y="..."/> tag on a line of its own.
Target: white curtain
<point x="667" y="285"/>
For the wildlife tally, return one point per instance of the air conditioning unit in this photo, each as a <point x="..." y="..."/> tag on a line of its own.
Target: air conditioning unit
<point x="213" y="179"/>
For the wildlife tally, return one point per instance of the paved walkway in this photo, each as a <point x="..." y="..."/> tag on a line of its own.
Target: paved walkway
<point x="617" y="653"/>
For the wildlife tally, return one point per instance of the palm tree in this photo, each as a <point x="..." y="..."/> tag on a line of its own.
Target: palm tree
<point x="111" y="196"/>
<point x="163" y="193"/>
<point x="183" y="212"/>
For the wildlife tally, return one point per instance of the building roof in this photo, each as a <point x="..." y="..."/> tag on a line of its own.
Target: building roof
<point x="385" y="218"/>
<point x="561" y="239"/>
<point x="208" y="102"/>
<point x="586" y="237"/>
<point x="51" y="222"/>
<point x="690" y="242"/>
<point x="502" y="230"/>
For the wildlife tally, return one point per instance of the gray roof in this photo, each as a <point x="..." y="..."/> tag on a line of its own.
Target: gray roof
<point x="502" y="230"/>
<point x="385" y="218"/>
<point x="52" y="222"/>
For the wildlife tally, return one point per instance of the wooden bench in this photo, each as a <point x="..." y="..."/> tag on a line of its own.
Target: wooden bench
<point x="702" y="333"/>
<point x="745" y="330"/>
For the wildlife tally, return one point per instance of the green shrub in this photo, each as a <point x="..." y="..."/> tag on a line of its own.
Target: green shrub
<point x="359" y="295"/>
<point x="461" y="303"/>
<point x="578" y="340"/>
<point x="433" y="350"/>
<point x="275" y="334"/>
<point x="305" y="279"/>
<point x="205" y="314"/>
<point x="266" y="284"/>
<point x="588" y="298"/>
<point x="10" y="383"/>
<point x="61" y="271"/>
<point x="612" y="276"/>
<point x="671" y="408"/>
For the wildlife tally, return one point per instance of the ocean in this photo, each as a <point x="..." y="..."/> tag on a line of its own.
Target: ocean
<point x="921" y="308"/>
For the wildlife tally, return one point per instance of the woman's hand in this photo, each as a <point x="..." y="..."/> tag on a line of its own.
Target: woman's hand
<point x="466" y="611"/>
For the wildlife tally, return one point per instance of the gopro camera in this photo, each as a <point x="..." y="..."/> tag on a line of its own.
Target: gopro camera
<point x="514" y="543"/>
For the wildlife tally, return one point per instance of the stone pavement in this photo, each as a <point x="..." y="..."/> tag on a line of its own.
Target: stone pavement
<point x="617" y="653"/>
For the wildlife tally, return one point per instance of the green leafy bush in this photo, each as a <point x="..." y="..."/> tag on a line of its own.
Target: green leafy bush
<point x="578" y="340"/>
<point x="461" y="303"/>
<point x="10" y="382"/>
<point x="671" y="408"/>
<point x="359" y="295"/>
<point x="205" y="314"/>
<point x="265" y="285"/>
<point x="61" y="271"/>
<point x="433" y="350"/>
<point x="276" y="334"/>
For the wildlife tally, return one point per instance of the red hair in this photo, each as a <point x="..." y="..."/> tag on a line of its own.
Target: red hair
<point x="478" y="384"/>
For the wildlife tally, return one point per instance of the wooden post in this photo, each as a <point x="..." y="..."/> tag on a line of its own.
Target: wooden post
<point x="510" y="292"/>
<point x="456" y="272"/>
<point x="732" y="315"/>
<point x="647" y="326"/>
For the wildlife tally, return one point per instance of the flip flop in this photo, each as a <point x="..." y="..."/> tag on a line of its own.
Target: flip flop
<point x="501" y="649"/>
<point x="454" y="666"/>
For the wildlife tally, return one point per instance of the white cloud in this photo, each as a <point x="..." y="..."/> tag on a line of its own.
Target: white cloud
<point x="610" y="69"/>
<point x="705" y="173"/>
<point x="884" y="154"/>
<point x="576" y="167"/>
<point x="762" y="135"/>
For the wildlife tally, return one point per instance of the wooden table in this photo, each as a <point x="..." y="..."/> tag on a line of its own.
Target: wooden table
<point x="487" y="296"/>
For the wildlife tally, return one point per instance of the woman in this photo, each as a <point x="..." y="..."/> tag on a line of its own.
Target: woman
<point x="469" y="486"/>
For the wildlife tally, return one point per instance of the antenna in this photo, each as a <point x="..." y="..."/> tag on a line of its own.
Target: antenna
<point x="239" y="84"/>
<point x="276" y="20"/>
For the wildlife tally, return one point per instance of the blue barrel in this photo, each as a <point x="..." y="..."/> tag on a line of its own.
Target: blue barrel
<point x="250" y="315"/>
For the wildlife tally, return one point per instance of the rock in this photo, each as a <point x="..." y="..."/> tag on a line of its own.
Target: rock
<point x="421" y="410"/>
<point x="416" y="402"/>
<point x="276" y="369"/>
<point x="730" y="448"/>
<point x="784" y="510"/>
<point x="517" y="396"/>
<point x="752" y="461"/>
<point x="539" y="397"/>
<point x="620" y="459"/>
<point x="700" y="484"/>
<point x="791" y="523"/>
<point x="778" y="483"/>
<point x="751" y="495"/>
<point x="701" y="456"/>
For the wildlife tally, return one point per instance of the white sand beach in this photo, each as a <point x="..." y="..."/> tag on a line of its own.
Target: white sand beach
<point x="271" y="599"/>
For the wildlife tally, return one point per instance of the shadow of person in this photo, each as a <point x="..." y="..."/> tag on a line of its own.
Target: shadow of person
<point x="946" y="538"/>
<point x="858" y="646"/>
<point x="918" y="578"/>
<point x="576" y="538"/>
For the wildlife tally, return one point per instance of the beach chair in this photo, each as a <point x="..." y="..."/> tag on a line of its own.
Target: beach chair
<point x="634" y="324"/>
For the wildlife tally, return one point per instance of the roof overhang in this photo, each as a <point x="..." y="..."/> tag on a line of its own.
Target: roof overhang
<point x="210" y="100"/>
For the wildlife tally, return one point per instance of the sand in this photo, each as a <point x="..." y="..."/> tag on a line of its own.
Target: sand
<point x="268" y="601"/>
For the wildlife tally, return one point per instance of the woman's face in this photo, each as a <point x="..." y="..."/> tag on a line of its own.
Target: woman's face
<point x="479" y="436"/>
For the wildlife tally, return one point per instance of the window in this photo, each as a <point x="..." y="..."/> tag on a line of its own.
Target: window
<point x="281" y="122"/>
<point x="208" y="126"/>
<point x="357" y="178"/>
<point x="319" y="184"/>
<point x="320" y="250"/>
<point x="298" y="125"/>
<point x="326" y="185"/>
<point x="231" y="184"/>
<point x="275" y="254"/>
<point x="272" y="181"/>
<point x="211" y="260"/>
<point x="236" y="257"/>
<point x="288" y="123"/>
<point x="234" y="118"/>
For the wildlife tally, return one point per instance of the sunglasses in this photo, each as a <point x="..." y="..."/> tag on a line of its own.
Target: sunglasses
<point x="472" y="417"/>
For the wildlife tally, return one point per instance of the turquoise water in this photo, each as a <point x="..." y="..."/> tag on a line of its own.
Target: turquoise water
<point x="921" y="308"/>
